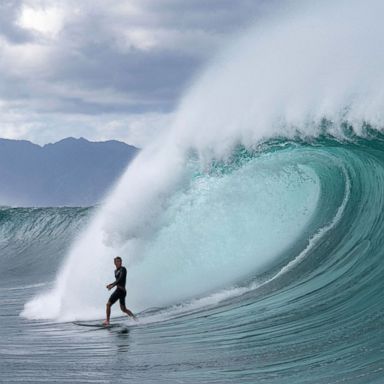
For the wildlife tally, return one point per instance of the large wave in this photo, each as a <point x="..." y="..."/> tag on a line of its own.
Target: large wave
<point x="215" y="202"/>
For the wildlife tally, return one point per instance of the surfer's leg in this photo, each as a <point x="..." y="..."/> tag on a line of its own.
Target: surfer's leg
<point x="127" y="311"/>
<point x="108" y="313"/>
<point x="124" y="308"/>
<point x="114" y="297"/>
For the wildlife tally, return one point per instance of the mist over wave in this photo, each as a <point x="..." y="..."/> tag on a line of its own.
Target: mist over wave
<point x="191" y="215"/>
<point x="285" y="76"/>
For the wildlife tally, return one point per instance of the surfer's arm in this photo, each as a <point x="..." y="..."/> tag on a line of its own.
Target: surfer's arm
<point x="110" y="286"/>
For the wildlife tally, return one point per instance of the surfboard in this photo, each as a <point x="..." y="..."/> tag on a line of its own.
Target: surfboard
<point x="98" y="325"/>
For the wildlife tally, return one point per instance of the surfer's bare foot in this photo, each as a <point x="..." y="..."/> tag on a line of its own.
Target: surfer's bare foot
<point x="106" y="322"/>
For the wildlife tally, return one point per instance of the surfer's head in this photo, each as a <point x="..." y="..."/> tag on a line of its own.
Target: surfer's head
<point x="117" y="260"/>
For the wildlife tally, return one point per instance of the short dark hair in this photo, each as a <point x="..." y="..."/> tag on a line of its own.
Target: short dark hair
<point x="118" y="258"/>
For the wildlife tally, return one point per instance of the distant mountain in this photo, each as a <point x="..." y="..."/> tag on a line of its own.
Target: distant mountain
<point x="71" y="172"/>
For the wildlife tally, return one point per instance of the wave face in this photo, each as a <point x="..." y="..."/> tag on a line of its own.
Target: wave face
<point x="260" y="208"/>
<point x="34" y="241"/>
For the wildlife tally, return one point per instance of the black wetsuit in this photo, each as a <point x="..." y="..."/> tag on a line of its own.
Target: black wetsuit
<point x="120" y="292"/>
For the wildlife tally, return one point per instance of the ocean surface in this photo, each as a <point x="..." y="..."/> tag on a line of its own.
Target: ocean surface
<point x="314" y="313"/>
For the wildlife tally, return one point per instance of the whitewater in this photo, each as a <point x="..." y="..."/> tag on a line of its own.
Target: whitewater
<point x="251" y="229"/>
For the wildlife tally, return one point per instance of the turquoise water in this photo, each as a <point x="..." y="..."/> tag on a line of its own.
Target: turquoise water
<point x="266" y="268"/>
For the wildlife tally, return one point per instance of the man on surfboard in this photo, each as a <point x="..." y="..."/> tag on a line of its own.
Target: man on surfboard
<point x="120" y="292"/>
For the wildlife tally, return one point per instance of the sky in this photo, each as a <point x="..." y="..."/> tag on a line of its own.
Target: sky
<point x="107" y="69"/>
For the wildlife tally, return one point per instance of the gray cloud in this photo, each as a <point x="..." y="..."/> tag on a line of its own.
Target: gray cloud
<point x="101" y="58"/>
<point x="9" y="12"/>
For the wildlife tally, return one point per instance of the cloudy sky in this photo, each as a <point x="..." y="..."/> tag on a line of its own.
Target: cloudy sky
<point x="107" y="69"/>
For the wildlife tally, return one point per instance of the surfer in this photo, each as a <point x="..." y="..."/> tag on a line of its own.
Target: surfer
<point x="120" y="292"/>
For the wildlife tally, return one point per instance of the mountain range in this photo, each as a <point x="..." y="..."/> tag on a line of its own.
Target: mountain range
<point x="71" y="172"/>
